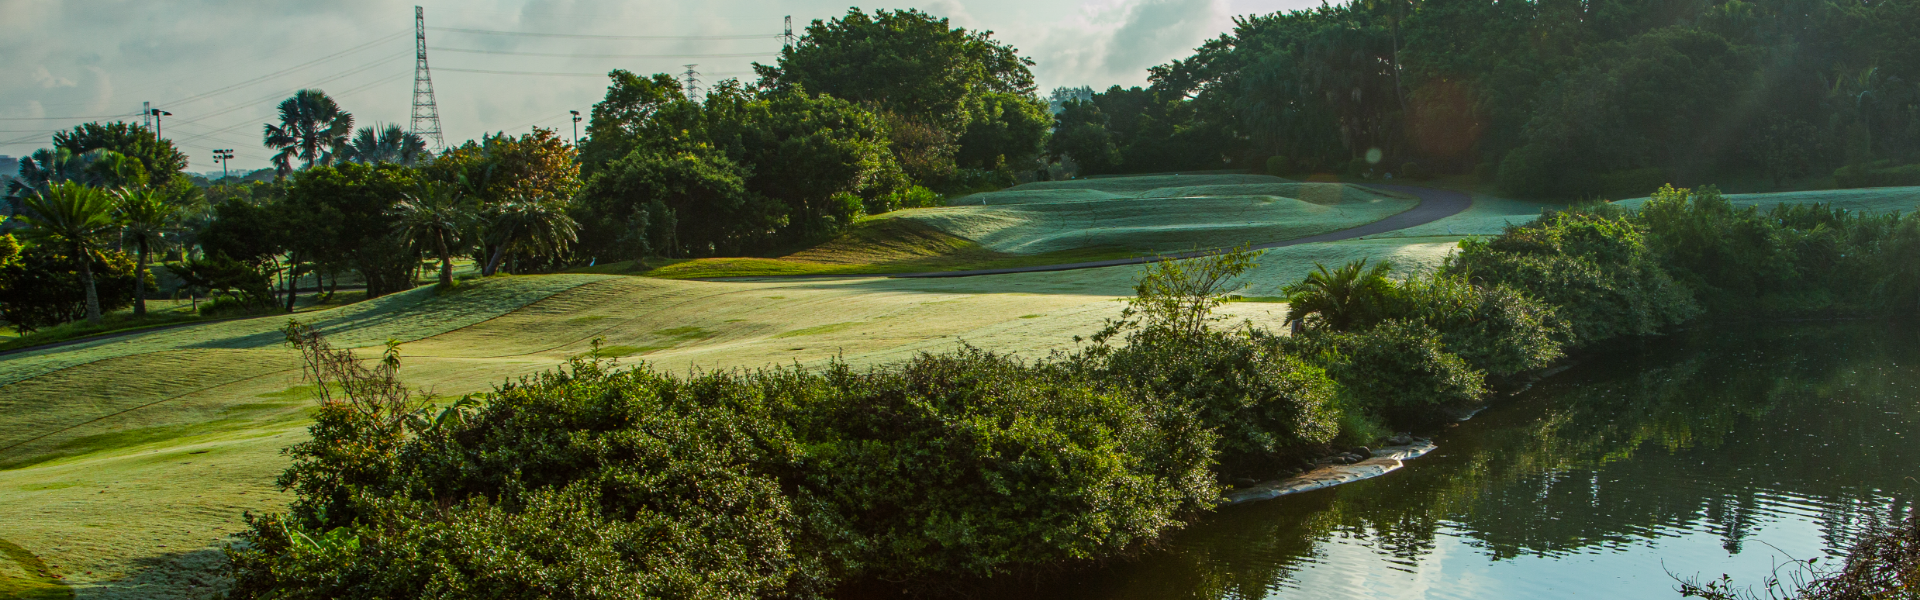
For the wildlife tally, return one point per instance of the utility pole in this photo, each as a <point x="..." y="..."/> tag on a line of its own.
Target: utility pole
<point x="426" y="114"/>
<point x="222" y="156"/>
<point x="789" y="35"/>
<point x="576" y="128"/>
<point x="693" y="83"/>
<point x="157" y="113"/>
<point x="146" y="115"/>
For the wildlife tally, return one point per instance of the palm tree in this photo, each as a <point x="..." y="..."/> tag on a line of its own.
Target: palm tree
<point x="75" y="217"/>
<point x="146" y="216"/>
<point x="312" y="128"/>
<point x="386" y="144"/>
<point x="1342" y="298"/>
<point x="433" y="217"/>
<point x="534" y="226"/>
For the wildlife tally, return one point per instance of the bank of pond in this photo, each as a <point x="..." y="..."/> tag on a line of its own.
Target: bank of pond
<point x="1100" y="473"/>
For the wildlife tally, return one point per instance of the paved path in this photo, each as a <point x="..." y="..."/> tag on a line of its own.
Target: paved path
<point x="1434" y="205"/>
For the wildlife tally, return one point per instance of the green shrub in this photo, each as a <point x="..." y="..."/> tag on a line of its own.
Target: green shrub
<point x="976" y="464"/>
<point x="1632" y="183"/>
<point x="1400" y="370"/>
<point x="1593" y="266"/>
<point x="592" y="482"/>
<point x="1265" y="403"/>
<point x="41" y="287"/>
<point x="1496" y="329"/>
<point x="1876" y="175"/>
<point x="1278" y="165"/>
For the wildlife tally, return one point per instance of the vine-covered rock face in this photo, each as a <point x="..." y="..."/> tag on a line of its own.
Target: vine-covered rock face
<point x="620" y="483"/>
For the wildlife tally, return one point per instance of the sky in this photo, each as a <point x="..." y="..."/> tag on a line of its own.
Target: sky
<point x="221" y="66"/>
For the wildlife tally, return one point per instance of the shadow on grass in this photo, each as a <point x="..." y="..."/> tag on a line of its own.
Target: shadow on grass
<point x="188" y="575"/>
<point x="28" y="578"/>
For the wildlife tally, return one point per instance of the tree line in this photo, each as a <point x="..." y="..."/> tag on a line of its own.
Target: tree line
<point x="866" y="114"/>
<point x="1550" y="98"/>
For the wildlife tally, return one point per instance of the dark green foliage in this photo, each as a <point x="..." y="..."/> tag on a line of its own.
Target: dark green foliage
<point x="41" y="286"/>
<point x="1399" y="369"/>
<point x="594" y="482"/>
<point x="1568" y="99"/>
<point x="1594" y="267"/>
<point x="244" y="231"/>
<point x="1876" y="175"/>
<point x="975" y="464"/>
<point x="160" y="161"/>
<point x="1263" y="401"/>
<point x="340" y="214"/>
<point x="250" y="283"/>
<point x="968" y="102"/>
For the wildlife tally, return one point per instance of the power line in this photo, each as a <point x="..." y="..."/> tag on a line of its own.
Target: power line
<point x="115" y="116"/>
<point x="562" y="55"/>
<point x="613" y="37"/>
<point x="287" y="70"/>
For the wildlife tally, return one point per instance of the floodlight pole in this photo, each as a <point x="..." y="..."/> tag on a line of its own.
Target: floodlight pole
<point x="157" y="113"/>
<point x="223" y="156"/>
<point x="576" y="127"/>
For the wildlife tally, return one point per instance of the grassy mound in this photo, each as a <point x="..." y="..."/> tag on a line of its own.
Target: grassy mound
<point x="876" y="246"/>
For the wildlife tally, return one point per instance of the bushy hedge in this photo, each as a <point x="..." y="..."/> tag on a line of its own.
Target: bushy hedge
<point x="1880" y="174"/>
<point x="595" y="482"/>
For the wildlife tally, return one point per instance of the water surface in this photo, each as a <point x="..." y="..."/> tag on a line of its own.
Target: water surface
<point x="1721" y="450"/>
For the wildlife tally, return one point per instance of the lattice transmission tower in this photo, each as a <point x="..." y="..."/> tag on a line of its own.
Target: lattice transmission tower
<point x="693" y="83"/>
<point x="787" y="38"/>
<point x="426" y="114"/>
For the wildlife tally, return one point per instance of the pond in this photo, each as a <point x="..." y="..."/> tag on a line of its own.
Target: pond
<point x="1722" y="450"/>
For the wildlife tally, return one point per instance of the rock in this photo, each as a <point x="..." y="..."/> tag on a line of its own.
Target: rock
<point x="1244" y="481"/>
<point x="1362" y="451"/>
<point x="1400" y="439"/>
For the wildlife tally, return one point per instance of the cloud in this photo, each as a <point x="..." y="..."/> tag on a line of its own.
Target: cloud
<point x="1114" y="42"/>
<point x="48" y="80"/>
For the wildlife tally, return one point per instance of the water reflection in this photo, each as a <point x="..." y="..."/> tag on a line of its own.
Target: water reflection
<point x="1716" y="451"/>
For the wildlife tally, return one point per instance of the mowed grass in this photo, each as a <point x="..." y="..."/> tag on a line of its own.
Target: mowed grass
<point x="1154" y="214"/>
<point x="879" y="246"/>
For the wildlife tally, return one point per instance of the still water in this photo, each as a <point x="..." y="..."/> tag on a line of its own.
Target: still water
<point x="1725" y="450"/>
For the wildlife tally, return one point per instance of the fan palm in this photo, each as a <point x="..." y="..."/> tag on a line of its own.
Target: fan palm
<point x="540" y="228"/>
<point x="1342" y="298"/>
<point x="146" y="215"/>
<point x="386" y="144"/>
<point x="76" y="218"/>
<point x="433" y="217"/>
<point x="312" y="129"/>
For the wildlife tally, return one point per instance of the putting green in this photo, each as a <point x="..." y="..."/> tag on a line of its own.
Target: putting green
<point x="125" y="464"/>
<point x="1163" y="213"/>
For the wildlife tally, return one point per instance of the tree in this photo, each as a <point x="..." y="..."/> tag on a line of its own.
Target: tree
<point x="536" y="226"/>
<point x="160" y="160"/>
<point x="922" y="73"/>
<point x="1341" y="299"/>
<point x="434" y="216"/>
<point x="75" y="218"/>
<point x="146" y="216"/>
<point x="385" y="144"/>
<point x="312" y="129"/>
<point x="343" y="214"/>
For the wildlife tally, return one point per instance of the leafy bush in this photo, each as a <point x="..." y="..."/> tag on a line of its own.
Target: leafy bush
<point x="41" y="286"/>
<point x="976" y="464"/>
<point x="1265" y="403"/>
<point x="1876" y="175"/>
<point x="1593" y="266"/>
<point x="1278" y="165"/>
<point x="1400" y="370"/>
<point x="593" y="482"/>
<point x="1496" y="329"/>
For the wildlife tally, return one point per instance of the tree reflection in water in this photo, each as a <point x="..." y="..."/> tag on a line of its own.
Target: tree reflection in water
<point x="1721" y="431"/>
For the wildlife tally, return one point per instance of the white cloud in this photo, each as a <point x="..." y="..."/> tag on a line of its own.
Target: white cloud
<point x="48" y="80"/>
<point x="1114" y="42"/>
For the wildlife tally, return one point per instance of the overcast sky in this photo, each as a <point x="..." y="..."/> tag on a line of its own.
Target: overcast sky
<point x="221" y="66"/>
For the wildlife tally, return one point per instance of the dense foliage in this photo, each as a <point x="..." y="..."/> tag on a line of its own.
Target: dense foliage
<point x="1552" y="97"/>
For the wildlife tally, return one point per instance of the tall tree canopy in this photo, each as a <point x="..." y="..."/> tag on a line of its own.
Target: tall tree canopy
<point x="1552" y="97"/>
<point x="160" y="160"/>
<point x="952" y="98"/>
<point x="313" y="129"/>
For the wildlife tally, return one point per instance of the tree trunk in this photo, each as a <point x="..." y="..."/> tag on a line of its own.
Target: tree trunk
<point x="140" y="284"/>
<point x="93" y="294"/>
<point x="446" y="261"/>
<point x="493" y="264"/>
<point x="293" y="280"/>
